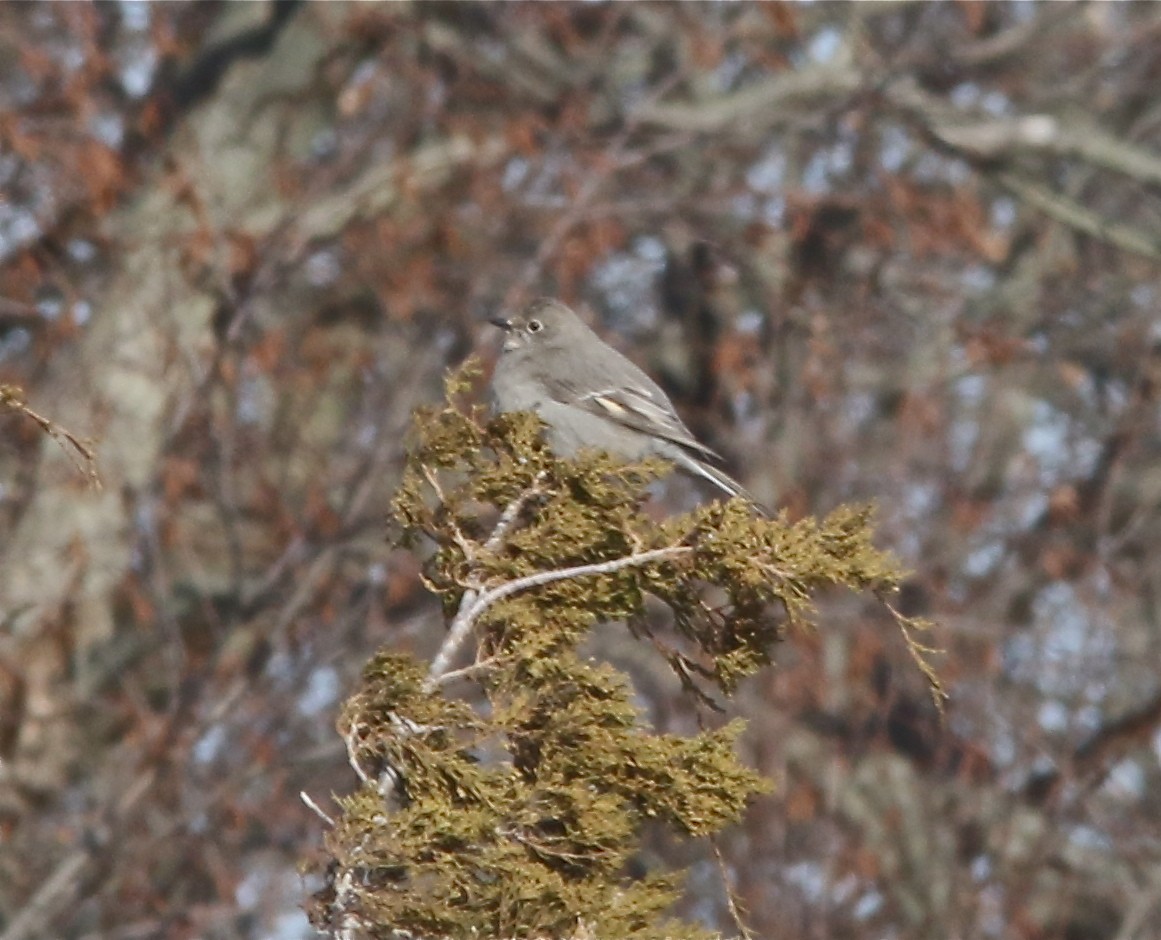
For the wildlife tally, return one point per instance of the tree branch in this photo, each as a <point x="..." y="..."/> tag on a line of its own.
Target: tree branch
<point x="475" y="603"/>
<point x="1083" y="220"/>
<point x="766" y="101"/>
<point x="467" y="618"/>
<point x="1043" y="133"/>
<point x="378" y="189"/>
<point x="455" y="638"/>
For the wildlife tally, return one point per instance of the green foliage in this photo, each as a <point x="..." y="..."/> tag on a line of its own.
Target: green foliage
<point x="517" y="818"/>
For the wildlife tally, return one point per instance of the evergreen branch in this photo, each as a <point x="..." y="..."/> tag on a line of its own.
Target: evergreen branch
<point x="733" y="903"/>
<point x="920" y="653"/>
<point x="547" y="783"/>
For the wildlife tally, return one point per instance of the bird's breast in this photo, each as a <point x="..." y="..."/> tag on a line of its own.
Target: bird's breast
<point x="512" y="390"/>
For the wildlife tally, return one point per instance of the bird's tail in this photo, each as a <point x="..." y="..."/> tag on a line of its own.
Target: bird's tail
<point x="723" y="481"/>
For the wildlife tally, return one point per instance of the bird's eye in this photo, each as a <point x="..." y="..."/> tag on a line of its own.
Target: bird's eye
<point x="535" y="326"/>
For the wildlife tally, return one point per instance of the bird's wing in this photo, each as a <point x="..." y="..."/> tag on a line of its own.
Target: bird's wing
<point x="640" y="406"/>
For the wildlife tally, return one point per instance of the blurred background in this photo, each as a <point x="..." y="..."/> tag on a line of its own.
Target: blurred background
<point x="907" y="252"/>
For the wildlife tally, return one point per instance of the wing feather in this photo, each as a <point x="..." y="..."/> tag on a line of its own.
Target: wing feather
<point x="639" y="404"/>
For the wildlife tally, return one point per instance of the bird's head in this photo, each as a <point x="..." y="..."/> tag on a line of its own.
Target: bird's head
<point x="543" y="323"/>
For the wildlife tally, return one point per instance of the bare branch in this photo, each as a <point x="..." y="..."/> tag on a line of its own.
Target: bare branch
<point x="33" y="920"/>
<point x="1043" y="133"/>
<point x="352" y="755"/>
<point x="315" y="808"/>
<point x="13" y="398"/>
<point x="466" y="672"/>
<point x="381" y="186"/>
<point x="756" y="107"/>
<point x="1083" y="220"/>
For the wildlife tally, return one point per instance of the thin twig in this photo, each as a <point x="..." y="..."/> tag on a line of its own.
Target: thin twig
<point x="353" y="757"/>
<point x="919" y="652"/>
<point x="318" y="810"/>
<point x="731" y="901"/>
<point x="12" y="397"/>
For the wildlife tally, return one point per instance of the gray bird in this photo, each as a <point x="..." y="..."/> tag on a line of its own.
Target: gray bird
<point x="589" y="395"/>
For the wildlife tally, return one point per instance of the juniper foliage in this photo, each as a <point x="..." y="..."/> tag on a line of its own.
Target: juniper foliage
<point x="516" y="816"/>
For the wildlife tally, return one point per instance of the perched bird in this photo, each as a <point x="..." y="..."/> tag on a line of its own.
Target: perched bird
<point x="589" y="395"/>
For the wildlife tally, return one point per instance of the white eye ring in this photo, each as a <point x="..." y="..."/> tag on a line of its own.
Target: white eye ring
<point x="535" y="326"/>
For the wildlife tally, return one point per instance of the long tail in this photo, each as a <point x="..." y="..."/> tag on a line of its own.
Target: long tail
<point x="723" y="481"/>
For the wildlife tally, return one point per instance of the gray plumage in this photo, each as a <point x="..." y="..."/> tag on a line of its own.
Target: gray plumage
<point x="589" y="395"/>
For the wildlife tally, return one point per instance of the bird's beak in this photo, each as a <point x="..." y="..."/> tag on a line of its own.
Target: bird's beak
<point x="502" y="322"/>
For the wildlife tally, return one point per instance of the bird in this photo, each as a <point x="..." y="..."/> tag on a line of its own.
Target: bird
<point x="591" y="396"/>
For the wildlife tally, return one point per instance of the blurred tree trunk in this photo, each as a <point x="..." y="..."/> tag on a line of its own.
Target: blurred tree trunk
<point x="149" y="352"/>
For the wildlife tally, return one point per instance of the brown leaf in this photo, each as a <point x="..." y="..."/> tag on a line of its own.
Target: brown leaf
<point x="801" y="803"/>
<point x="1064" y="504"/>
<point x="103" y="174"/>
<point x="179" y="476"/>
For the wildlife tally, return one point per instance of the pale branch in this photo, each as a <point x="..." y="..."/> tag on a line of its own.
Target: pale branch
<point x="475" y="603"/>
<point x="1047" y="134"/>
<point x="756" y="107"/>
<point x="760" y="105"/>
<point x="466" y="672"/>
<point x="455" y="638"/>
<point x="383" y="185"/>
<point x="466" y="619"/>
<point x="36" y="916"/>
<point x="353" y="756"/>
<point x="1040" y="134"/>
<point x="315" y="808"/>
<point x="452" y="642"/>
<point x="510" y="514"/>
<point x="1078" y="217"/>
